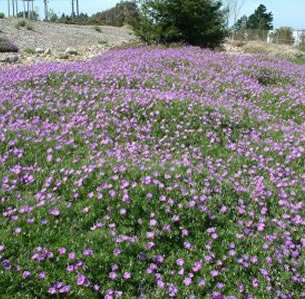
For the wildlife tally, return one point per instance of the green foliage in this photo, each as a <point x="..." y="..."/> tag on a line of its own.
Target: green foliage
<point x="33" y="16"/>
<point x="2" y="15"/>
<point x="260" y="19"/>
<point x="241" y="23"/>
<point x="283" y="35"/>
<point x="20" y="24"/>
<point x="119" y="15"/>
<point x="7" y="46"/>
<point x="196" y="22"/>
<point x="97" y="28"/>
<point x="29" y="51"/>
<point x="83" y="19"/>
<point x="52" y="16"/>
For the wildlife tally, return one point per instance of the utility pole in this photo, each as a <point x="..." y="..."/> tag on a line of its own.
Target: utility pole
<point x="9" y="8"/>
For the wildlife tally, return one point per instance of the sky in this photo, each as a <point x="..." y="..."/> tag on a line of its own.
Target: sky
<point x="286" y="13"/>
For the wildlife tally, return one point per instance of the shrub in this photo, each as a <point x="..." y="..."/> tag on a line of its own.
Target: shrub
<point x="7" y="46"/>
<point x="29" y="51"/>
<point x="119" y="15"/>
<point x="32" y="15"/>
<point x="97" y="28"/>
<point x="29" y="27"/>
<point x="102" y="42"/>
<point x="19" y="24"/>
<point x="196" y="22"/>
<point x="2" y="15"/>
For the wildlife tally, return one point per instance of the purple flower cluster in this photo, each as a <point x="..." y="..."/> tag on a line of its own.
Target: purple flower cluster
<point x="158" y="173"/>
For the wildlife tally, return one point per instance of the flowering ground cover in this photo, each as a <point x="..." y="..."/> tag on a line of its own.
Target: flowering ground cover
<point x="153" y="173"/>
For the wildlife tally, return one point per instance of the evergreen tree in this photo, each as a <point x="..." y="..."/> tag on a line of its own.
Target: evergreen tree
<point x="260" y="19"/>
<point x="241" y="23"/>
<point x="196" y="22"/>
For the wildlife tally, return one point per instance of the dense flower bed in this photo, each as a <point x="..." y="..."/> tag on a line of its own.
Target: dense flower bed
<point x="157" y="173"/>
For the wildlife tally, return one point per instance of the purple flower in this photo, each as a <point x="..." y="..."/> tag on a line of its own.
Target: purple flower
<point x="187" y="281"/>
<point x="180" y="262"/>
<point x="26" y="274"/>
<point x="6" y="265"/>
<point x="112" y="275"/>
<point x="42" y="275"/>
<point x="62" y="251"/>
<point x="127" y="275"/>
<point x="88" y="252"/>
<point x="82" y="280"/>
<point x="54" y="212"/>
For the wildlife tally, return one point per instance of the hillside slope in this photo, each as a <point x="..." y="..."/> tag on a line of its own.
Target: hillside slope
<point x="58" y="37"/>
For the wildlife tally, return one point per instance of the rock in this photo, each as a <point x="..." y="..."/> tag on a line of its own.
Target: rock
<point x="47" y="51"/>
<point x="12" y="59"/>
<point x="39" y="50"/>
<point x="63" y="56"/>
<point x="71" y="51"/>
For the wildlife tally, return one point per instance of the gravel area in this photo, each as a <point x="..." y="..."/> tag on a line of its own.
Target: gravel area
<point x="58" y="37"/>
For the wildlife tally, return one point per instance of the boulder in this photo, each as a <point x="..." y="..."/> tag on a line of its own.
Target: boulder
<point x="39" y="50"/>
<point x="7" y="46"/>
<point x="63" y="56"/>
<point x="71" y="51"/>
<point x="12" y="59"/>
<point x="47" y="51"/>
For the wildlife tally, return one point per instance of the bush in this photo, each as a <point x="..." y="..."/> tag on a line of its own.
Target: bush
<point x="2" y="15"/>
<point x="29" y="51"/>
<point x="33" y="16"/>
<point x="29" y="27"/>
<point x="19" y="24"/>
<point x="98" y="29"/>
<point x="7" y="46"/>
<point x="119" y="15"/>
<point x="195" y="22"/>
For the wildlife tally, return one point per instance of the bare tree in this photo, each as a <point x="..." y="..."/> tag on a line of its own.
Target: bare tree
<point x="23" y="9"/>
<point x="233" y="9"/>
<point x="9" y="8"/>
<point x="13" y="6"/>
<point x="77" y="8"/>
<point x="73" y="11"/>
<point x="17" y="8"/>
<point x="46" y="10"/>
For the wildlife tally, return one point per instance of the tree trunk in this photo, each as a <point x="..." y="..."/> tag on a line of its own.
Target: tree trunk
<point x="23" y="9"/>
<point x="9" y="8"/>
<point x="13" y="5"/>
<point x="16" y="8"/>
<point x="46" y="9"/>
<point x="73" y="12"/>
<point x="77" y="8"/>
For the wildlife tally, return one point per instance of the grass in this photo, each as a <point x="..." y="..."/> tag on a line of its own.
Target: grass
<point x="299" y="61"/>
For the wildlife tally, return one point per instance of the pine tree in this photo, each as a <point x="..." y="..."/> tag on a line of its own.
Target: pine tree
<point x="260" y="19"/>
<point x="196" y="22"/>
